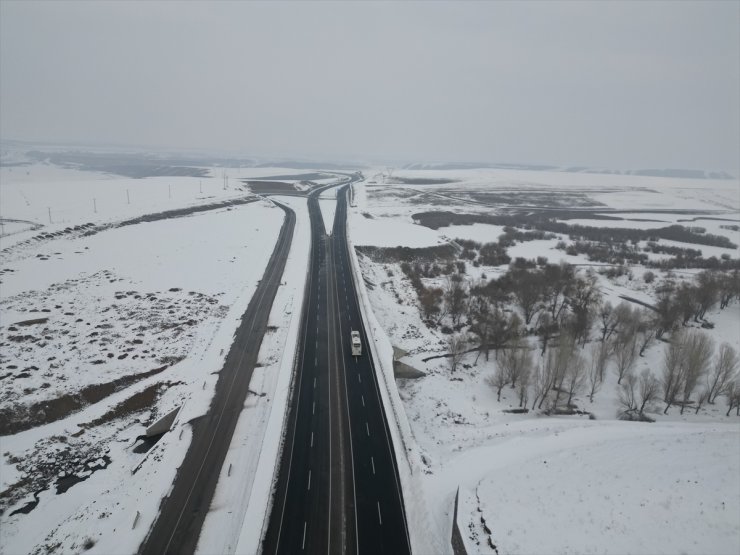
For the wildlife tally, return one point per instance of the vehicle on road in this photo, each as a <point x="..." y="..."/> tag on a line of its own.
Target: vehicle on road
<point x="356" y="344"/>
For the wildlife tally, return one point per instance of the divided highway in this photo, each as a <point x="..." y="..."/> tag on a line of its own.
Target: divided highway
<point x="338" y="489"/>
<point x="182" y="514"/>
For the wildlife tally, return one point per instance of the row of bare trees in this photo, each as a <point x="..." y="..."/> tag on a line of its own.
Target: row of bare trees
<point x="689" y="368"/>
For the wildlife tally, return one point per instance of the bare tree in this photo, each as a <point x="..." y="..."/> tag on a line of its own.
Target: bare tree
<point x="527" y="289"/>
<point x="560" y="362"/>
<point x="607" y="319"/>
<point x="701" y="399"/>
<point x="522" y="387"/>
<point x="516" y="359"/>
<point x="627" y="397"/>
<point x="498" y="380"/>
<point x="673" y="369"/>
<point x="646" y="330"/>
<point x="625" y="320"/>
<point x="598" y="357"/>
<point x="625" y="353"/>
<point x="725" y="366"/>
<point x="648" y="389"/>
<point x="542" y="380"/>
<point x="481" y="315"/>
<point x="558" y="282"/>
<point x="546" y="329"/>
<point x="584" y="296"/>
<point x="667" y="309"/>
<point x="456" y="344"/>
<point x="575" y="376"/>
<point x="732" y="394"/>
<point x="729" y="288"/>
<point x="430" y="300"/>
<point x="706" y="293"/>
<point x="699" y="349"/>
<point x="455" y="296"/>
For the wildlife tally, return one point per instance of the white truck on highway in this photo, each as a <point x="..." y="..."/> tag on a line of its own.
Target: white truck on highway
<point x="356" y="344"/>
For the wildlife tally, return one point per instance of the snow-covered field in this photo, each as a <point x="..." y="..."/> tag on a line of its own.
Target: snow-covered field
<point x="102" y="333"/>
<point x="532" y="483"/>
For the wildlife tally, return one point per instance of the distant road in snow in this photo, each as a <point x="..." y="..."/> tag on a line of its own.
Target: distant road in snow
<point x="338" y="489"/>
<point x="182" y="514"/>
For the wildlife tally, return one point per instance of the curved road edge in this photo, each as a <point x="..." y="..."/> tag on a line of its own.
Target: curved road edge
<point x="418" y="521"/>
<point x="182" y="513"/>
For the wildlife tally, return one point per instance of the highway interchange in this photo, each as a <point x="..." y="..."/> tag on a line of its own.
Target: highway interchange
<point x="338" y="489"/>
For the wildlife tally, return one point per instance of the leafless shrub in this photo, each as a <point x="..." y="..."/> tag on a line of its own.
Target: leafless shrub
<point x="725" y="366"/>
<point x="456" y="344"/>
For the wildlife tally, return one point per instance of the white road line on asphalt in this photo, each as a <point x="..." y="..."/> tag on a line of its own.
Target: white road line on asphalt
<point x="367" y="429"/>
<point x="313" y="408"/>
<point x="311" y="439"/>
<point x="303" y="543"/>
<point x="372" y="461"/>
<point x="380" y="518"/>
<point x="359" y="378"/>
<point x="314" y="383"/>
<point x="363" y="400"/>
<point x="309" y="480"/>
<point x="315" y="361"/>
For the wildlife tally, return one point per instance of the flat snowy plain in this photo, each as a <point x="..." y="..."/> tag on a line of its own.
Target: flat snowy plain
<point x="166" y="296"/>
<point x="530" y="483"/>
<point x="145" y="311"/>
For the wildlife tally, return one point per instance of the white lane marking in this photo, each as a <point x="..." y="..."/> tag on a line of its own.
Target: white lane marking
<point x="309" y="480"/>
<point x="367" y="428"/>
<point x="303" y="543"/>
<point x="315" y="361"/>
<point x="373" y="463"/>
<point x="359" y="378"/>
<point x="313" y="408"/>
<point x="311" y="439"/>
<point x="363" y="400"/>
<point x="380" y="518"/>
<point x="314" y="383"/>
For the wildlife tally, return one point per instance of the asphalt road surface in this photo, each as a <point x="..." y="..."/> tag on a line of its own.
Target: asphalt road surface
<point x="338" y="489"/>
<point x="182" y="513"/>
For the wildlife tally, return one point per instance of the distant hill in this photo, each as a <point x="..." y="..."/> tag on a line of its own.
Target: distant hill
<point x="670" y="172"/>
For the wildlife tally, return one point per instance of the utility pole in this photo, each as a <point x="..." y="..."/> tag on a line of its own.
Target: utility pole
<point x="128" y="198"/>
<point x="95" y="206"/>
<point x="200" y="185"/>
<point x="49" y="208"/>
<point x="169" y="191"/>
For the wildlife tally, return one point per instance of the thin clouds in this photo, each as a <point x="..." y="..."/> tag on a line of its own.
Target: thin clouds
<point x="622" y="84"/>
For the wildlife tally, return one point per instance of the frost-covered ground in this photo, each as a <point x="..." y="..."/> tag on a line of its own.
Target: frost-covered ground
<point x="530" y="483"/>
<point x="103" y="333"/>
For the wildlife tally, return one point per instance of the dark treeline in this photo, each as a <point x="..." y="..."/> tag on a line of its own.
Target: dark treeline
<point x="544" y="222"/>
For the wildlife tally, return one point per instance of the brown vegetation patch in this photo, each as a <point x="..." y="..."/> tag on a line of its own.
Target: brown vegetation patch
<point x="18" y="417"/>
<point x="408" y="254"/>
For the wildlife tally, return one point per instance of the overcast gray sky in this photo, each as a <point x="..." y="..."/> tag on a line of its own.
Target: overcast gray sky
<point x="624" y="84"/>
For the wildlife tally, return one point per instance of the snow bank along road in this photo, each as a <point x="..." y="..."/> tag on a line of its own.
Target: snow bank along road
<point x="182" y="514"/>
<point x="338" y="488"/>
